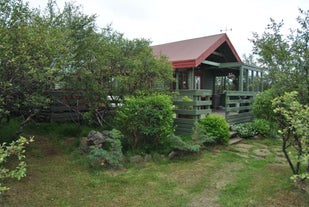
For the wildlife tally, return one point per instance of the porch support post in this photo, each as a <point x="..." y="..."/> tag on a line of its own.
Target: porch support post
<point x="191" y="79"/>
<point x="241" y="81"/>
<point x="177" y="79"/>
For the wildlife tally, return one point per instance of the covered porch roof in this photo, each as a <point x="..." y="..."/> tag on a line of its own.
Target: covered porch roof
<point x="192" y="52"/>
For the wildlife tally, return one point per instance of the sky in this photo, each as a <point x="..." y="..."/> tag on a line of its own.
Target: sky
<point x="164" y="21"/>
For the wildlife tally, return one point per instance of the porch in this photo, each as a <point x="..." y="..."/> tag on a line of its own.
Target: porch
<point x="192" y="105"/>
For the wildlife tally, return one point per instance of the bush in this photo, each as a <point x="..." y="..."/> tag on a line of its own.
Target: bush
<point x="110" y="154"/>
<point x="217" y="127"/>
<point x="262" y="106"/>
<point x="245" y="130"/>
<point x="257" y="127"/>
<point x="146" y="122"/>
<point x="195" y="142"/>
<point x="15" y="149"/>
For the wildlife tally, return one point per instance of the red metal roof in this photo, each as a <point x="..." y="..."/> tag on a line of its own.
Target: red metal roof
<point x="192" y="52"/>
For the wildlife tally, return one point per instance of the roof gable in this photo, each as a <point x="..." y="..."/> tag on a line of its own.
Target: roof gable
<point x="192" y="52"/>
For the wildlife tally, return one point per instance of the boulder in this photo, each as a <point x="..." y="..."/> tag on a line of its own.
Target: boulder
<point x="96" y="138"/>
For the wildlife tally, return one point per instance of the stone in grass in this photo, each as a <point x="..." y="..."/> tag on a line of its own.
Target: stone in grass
<point x="137" y="161"/>
<point x="263" y="153"/>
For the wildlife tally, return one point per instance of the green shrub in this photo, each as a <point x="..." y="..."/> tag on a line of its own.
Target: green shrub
<point x="217" y="127"/>
<point x="146" y="122"/>
<point x="194" y="142"/>
<point x="245" y="130"/>
<point x="257" y="127"/>
<point x="110" y="155"/>
<point x="16" y="149"/>
<point x="265" y="128"/>
<point x="262" y="106"/>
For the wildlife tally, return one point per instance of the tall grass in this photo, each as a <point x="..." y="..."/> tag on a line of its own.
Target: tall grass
<point x="8" y="130"/>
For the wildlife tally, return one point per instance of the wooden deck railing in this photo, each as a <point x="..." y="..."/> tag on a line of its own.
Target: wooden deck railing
<point x="238" y="106"/>
<point x="190" y="106"/>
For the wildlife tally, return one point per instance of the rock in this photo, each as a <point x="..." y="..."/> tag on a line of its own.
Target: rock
<point x="263" y="153"/>
<point x="148" y="158"/>
<point x="96" y="138"/>
<point x="84" y="144"/>
<point x="172" y="155"/>
<point x="136" y="159"/>
<point x="105" y="133"/>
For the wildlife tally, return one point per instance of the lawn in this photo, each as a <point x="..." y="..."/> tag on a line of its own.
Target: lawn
<point x="252" y="173"/>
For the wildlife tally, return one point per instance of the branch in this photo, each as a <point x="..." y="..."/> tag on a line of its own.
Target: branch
<point x="23" y="123"/>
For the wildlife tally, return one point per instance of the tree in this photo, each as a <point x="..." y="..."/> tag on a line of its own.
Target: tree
<point x="293" y="119"/>
<point x="31" y="54"/>
<point x="285" y="59"/>
<point x="118" y="67"/>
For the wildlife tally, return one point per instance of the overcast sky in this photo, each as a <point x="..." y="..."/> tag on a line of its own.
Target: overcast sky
<point x="163" y="21"/>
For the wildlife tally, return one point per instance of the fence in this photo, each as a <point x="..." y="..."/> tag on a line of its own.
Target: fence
<point x="190" y="106"/>
<point x="65" y="106"/>
<point x="238" y="106"/>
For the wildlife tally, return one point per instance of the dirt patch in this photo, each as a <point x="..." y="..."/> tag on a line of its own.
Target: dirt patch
<point x="241" y="147"/>
<point x="289" y="198"/>
<point x="221" y="178"/>
<point x="262" y="152"/>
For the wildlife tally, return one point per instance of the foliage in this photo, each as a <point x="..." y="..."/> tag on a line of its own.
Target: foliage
<point x="8" y="130"/>
<point x="285" y="59"/>
<point x="264" y="127"/>
<point x="245" y="130"/>
<point x="262" y="105"/>
<point x="293" y="119"/>
<point x="31" y="53"/>
<point x="110" y="154"/>
<point x="117" y="67"/>
<point x="216" y="126"/>
<point x="146" y="121"/>
<point x="56" y="49"/>
<point x="260" y="127"/>
<point x="194" y="144"/>
<point x="15" y="149"/>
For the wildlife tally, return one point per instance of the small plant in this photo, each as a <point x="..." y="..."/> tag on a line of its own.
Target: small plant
<point x="245" y="130"/>
<point x="194" y="143"/>
<point x="216" y="126"/>
<point x="15" y="149"/>
<point x="110" y="154"/>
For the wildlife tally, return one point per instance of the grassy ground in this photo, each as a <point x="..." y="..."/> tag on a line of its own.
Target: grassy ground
<point x="253" y="173"/>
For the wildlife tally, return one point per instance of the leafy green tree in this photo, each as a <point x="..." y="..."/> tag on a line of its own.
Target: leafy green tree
<point x="31" y="53"/>
<point x="285" y="59"/>
<point x="293" y="119"/>
<point x="118" y="67"/>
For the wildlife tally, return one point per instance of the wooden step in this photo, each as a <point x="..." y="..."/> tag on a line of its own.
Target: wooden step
<point x="235" y="140"/>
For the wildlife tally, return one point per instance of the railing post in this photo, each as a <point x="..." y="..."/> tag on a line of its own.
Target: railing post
<point x="241" y="78"/>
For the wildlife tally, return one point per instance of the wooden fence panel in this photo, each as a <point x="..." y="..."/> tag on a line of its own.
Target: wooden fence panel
<point x="238" y="106"/>
<point x="188" y="112"/>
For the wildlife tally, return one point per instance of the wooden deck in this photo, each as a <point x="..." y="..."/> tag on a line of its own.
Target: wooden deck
<point x="237" y="108"/>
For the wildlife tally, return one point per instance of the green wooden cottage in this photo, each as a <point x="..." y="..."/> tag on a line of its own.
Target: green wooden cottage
<point x="210" y="73"/>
